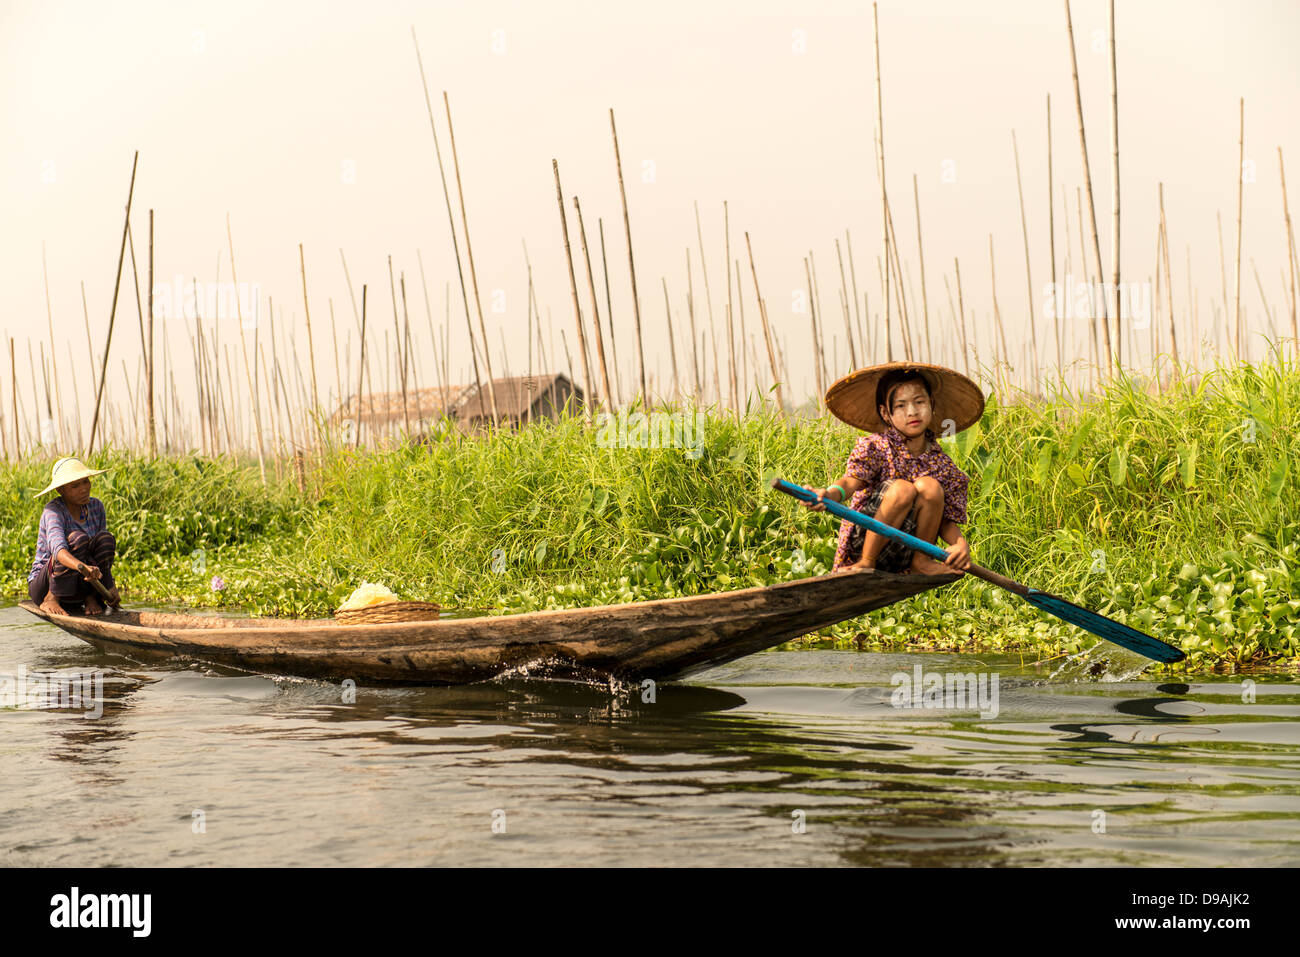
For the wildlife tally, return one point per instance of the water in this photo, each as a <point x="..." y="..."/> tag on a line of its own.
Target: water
<point x="190" y="765"/>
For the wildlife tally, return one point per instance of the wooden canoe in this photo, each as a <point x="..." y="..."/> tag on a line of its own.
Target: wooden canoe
<point x="663" y="639"/>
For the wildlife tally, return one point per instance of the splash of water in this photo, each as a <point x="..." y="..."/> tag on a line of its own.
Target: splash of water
<point x="1103" y="662"/>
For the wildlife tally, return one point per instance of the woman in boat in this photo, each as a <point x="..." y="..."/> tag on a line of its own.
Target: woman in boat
<point x="73" y="546"/>
<point x="899" y="474"/>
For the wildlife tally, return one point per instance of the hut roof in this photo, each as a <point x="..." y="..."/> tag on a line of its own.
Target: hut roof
<point x="515" y="395"/>
<point x="387" y="406"/>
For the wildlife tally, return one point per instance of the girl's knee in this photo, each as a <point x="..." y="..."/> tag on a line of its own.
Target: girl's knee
<point x="901" y="491"/>
<point x="78" y="541"/>
<point x="928" y="488"/>
<point x="104" y="541"/>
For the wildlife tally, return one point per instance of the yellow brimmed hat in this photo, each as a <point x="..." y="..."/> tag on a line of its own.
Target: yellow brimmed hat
<point x="65" y="471"/>
<point x="856" y="398"/>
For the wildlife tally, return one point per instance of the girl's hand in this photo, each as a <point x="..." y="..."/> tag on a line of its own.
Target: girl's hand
<point x="91" y="573"/>
<point x="959" y="555"/>
<point x="821" y="493"/>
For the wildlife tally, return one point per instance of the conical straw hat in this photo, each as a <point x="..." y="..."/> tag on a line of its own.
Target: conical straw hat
<point x="853" y="399"/>
<point x="68" y="470"/>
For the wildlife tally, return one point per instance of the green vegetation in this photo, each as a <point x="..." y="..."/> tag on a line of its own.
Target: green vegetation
<point x="1174" y="512"/>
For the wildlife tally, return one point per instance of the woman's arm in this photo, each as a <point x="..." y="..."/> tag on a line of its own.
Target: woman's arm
<point x="67" y="559"/>
<point x="56" y="536"/>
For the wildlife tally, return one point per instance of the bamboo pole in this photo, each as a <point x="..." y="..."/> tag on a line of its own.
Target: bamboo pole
<point x="564" y="341"/>
<point x="1155" y="311"/>
<point x="1258" y="284"/>
<point x="530" y="381"/>
<point x="85" y="315"/>
<point x="880" y="172"/>
<point x="44" y="379"/>
<point x="1087" y="180"/>
<point x="433" y="336"/>
<point x="451" y="221"/>
<point x="1114" y="178"/>
<point x="1169" y="283"/>
<point x="13" y="374"/>
<point x="889" y="339"/>
<point x="446" y="334"/>
<point x="819" y="319"/>
<point x="76" y="398"/>
<point x="249" y="371"/>
<point x="36" y="394"/>
<point x="233" y="421"/>
<point x="920" y="251"/>
<point x="690" y="312"/>
<point x="1223" y="269"/>
<point x="631" y="265"/>
<point x="744" y="361"/>
<point x="1029" y="279"/>
<point x="609" y="313"/>
<point x="537" y="314"/>
<point x="356" y="316"/>
<point x="49" y="317"/>
<point x="767" y="329"/>
<point x="148" y="367"/>
<point x="997" y="313"/>
<point x="816" y="339"/>
<point x="1289" y="246"/>
<point x="844" y="306"/>
<point x="731" y="311"/>
<point x="1057" y="300"/>
<point x="196" y="345"/>
<point x="905" y="325"/>
<point x="334" y="341"/>
<point x="864" y="340"/>
<point x="1236" y="273"/>
<point x="311" y="349"/>
<point x="588" y="383"/>
<point x="865" y="332"/>
<point x="595" y="307"/>
<point x="961" y="314"/>
<point x="409" y="360"/>
<point x="361" y="373"/>
<point x="397" y="343"/>
<point x="1094" y="339"/>
<point x="273" y="397"/>
<point x="672" y="343"/>
<point x="117" y="282"/>
<point x="469" y="254"/>
<point x="708" y="295"/>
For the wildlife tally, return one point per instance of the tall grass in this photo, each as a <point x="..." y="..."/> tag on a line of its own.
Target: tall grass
<point x="1174" y="511"/>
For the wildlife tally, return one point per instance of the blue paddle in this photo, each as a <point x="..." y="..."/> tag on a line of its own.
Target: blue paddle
<point x="1099" y="625"/>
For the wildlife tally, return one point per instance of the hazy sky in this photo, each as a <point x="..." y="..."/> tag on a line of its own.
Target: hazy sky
<point x="306" y="123"/>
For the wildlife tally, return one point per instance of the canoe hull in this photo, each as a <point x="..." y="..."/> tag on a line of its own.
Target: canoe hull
<point x="663" y="639"/>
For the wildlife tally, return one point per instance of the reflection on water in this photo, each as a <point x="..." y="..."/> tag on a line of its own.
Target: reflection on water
<point x="779" y="759"/>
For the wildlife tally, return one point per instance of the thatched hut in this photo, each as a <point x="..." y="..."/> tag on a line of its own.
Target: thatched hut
<point x="520" y="399"/>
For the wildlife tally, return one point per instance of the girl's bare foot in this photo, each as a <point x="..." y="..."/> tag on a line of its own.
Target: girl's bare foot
<point x="51" y="605"/>
<point x="921" y="565"/>
<point x="94" y="606"/>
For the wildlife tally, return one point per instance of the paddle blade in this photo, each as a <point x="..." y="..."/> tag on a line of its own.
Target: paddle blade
<point x="1104" y="627"/>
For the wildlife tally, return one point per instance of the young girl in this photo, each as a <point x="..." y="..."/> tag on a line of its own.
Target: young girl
<point x="73" y="545"/>
<point x="899" y="474"/>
